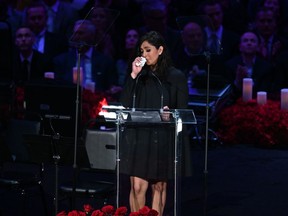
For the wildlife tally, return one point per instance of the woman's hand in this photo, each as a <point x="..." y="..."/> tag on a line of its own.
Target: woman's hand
<point x="136" y="67"/>
<point x="165" y="115"/>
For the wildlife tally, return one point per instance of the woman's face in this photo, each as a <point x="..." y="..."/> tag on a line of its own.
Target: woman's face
<point x="150" y="52"/>
<point x="132" y="37"/>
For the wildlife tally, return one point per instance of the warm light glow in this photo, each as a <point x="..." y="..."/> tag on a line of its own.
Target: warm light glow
<point x="49" y="75"/>
<point x="75" y="75"/>
<point x="284" y="99"/>
<point x="247" y="89"/>
<point x="261" y="97"/>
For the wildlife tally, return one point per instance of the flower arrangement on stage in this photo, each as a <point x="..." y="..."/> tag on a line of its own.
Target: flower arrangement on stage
<point x="109" y="210"/>
<point x="247" y="122"/>
<point x="92" y="103"/>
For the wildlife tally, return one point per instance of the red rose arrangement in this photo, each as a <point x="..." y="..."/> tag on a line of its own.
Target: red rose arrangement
<point x="92" y="104"/>
<point x="109" y="210"/>
<point x="247" y="122"/>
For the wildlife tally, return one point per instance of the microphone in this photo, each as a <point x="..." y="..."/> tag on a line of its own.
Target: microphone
<point x="162" y="95"/>
<point x="135" y="88"/>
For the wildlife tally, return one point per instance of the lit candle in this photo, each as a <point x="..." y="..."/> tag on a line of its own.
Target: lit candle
<point x="284" y="99"/>
<point x="75" y="70"/>
<point x="90" y="86"/>
<point x="247" y="89"/>
<point x="261" y="97"/>
<point x="49" y="75"/>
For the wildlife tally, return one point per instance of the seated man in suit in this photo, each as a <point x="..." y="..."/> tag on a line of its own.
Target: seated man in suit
<point x="96" y="67"/>
<point x="48" y="43"/>
<point x="249" y="65"/>
<point x="28" y="64"/>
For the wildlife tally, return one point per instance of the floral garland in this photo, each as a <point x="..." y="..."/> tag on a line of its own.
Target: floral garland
<point x="108" y="210"/>
<point x="247" y="122"/>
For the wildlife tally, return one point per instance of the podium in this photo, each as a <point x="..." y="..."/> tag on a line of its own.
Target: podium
<point x="152" y="117"/>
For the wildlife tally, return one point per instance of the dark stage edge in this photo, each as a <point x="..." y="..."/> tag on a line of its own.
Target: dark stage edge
<point x="241" y="181"/>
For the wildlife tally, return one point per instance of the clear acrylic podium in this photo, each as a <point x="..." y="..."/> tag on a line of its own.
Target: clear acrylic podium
<point x="177" y="117"/>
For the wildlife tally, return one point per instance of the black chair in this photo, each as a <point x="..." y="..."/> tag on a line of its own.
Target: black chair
<point x="97" y="179"/>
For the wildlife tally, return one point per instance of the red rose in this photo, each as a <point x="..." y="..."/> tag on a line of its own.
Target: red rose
<point x="260" y="125"/>
<point x="134" y="214"/>
<point x="144" y="211"/>
<point x="121" y="211"/>
<point x="152" y="212"/>
<point x="76" y="213"/>
<point x="108" y="209"/>
<point x="97" y="213"/>
<point x="62" y="213"/>
<point x="87" y="208"/>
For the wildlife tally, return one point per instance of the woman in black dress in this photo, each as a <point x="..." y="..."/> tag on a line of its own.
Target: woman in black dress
<point x="147" y="152"/>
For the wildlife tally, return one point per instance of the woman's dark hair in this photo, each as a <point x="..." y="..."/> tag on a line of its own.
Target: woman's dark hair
<point x="164" y="61"/>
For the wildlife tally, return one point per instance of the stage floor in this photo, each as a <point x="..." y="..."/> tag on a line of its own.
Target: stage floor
<point x="240" y="180"/>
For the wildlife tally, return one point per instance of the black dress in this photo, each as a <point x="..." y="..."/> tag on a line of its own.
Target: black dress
<point x="147" y="151"/>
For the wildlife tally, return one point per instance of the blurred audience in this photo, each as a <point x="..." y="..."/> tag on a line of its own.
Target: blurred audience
<point x="154" y="14"/>
<point x="50" y="25"/>
<point x="60" y="17"/>
<point x="48" y="43"/>
<point x="9" y="13"/>
<point x="249" y="65"/>
<point x="190" y="56"/>
<point x="234" y="15"/>
<point x="97" y="67"/>
<point x="194" y="59"/>
<point x="28" y="64"/>
<point x="103" y="19"/>
<point x="127" y="55"/>
<point x="271" y="42"/>
<point x="220" y="40"/>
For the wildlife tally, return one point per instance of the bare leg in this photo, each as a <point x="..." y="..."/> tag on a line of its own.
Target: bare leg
<point x="137" y="195"/>
<point x="159" y="192"/>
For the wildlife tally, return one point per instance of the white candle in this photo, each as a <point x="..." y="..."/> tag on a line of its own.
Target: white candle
<point x="247" y="89"/>
<point x="49" y="75"/>
<point x="284" y="99"/>
<point x="90" y="86"/>
<point x="75" y="75"/>
<point x="261" y="97"/>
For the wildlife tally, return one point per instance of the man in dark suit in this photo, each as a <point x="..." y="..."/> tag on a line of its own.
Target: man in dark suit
<point x="272" y="44"/>
<point x="97" y="67"/>
<point x="220" y="40"/>
<point x="61" y="17"/>
<point x="48" y="43"/>
<point x="28" y="64"/>
<point x="249" y="65"/>
<point x="191" y="57"/>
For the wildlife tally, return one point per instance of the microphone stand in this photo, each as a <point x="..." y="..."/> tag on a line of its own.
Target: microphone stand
<point x="79" y="50"/>
<point x="208" y="59"/>
<point x="56" y="157"/>
<point x="79" y="46"/>
<point x="208" y="54"/>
